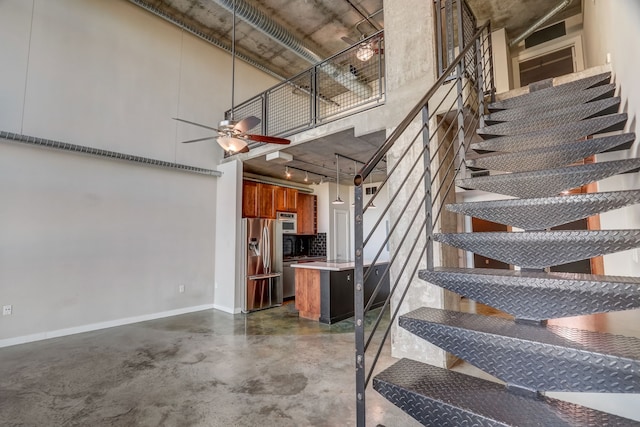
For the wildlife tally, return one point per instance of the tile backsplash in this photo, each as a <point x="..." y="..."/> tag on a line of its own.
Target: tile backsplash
<point x="319" y="245"/>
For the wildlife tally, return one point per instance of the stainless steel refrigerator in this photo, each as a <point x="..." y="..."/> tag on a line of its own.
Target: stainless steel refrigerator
<point x="263" y="284"/>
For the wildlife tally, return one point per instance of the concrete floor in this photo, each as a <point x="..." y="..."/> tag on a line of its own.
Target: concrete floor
<point x="209" y="368"/>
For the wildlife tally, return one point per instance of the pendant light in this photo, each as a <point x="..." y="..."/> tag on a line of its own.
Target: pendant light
<point x="338" y="200"/>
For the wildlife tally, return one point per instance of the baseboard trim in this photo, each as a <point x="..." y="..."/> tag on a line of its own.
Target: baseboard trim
<point x="227" y="309"/>
<point x="102" y="325"/>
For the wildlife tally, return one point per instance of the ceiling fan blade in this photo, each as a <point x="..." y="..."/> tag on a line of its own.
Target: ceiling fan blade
<point x="348" y="40"/>
<point x="196" y="124"/>
<point x="245" y="149"/>
<point x="198" y="140"/>
<point x="267" y="139"/>
<point x="246" y="124"/>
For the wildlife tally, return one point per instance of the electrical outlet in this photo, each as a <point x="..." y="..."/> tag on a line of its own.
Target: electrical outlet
<point x="181" y="289"/>
<point x="6" y="310"/>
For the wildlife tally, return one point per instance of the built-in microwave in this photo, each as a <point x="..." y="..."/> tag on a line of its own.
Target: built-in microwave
<point x="288" y="221"/>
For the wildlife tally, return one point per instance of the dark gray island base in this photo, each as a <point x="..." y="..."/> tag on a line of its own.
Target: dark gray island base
<point x="336" y="289"/>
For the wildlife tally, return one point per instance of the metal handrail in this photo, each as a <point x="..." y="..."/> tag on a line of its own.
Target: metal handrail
<point x="412" y="223"/>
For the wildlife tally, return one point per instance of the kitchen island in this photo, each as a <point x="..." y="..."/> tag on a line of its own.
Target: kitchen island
<point x="324" y="290"/>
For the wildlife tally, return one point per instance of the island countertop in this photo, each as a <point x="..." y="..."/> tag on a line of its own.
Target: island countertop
<point x="333" y="265"/>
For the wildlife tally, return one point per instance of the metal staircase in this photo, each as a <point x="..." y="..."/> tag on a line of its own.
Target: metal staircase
<point x="534" y="138"/>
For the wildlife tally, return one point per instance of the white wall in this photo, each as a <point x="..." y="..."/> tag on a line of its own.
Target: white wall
<point x="612" y="28"/>
<point x="89" y="243"/>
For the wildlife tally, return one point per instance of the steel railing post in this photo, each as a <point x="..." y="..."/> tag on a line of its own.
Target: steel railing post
<point x="428" y="204"/>
<point x="358" y="290"/>
<point x="480" y="81"/>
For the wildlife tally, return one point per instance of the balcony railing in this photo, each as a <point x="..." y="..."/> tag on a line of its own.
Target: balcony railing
<point x="348" y="82"/>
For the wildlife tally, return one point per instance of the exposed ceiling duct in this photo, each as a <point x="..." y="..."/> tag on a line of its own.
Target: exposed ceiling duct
<point x="277" y="32"/>
<point x="559" y="7"/>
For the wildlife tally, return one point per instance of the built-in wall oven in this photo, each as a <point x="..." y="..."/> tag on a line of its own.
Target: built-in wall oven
<point x="288" y="222"/>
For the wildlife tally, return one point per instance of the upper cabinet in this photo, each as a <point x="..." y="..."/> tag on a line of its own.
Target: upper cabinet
<point x="264" y="200"/>
<point x="258" y="200"/>
<point x="249" y="199"/>
<point x="307" y="214"/>
<point x="286" y="199"/>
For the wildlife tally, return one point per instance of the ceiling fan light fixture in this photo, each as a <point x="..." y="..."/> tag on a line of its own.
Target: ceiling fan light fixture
<point x="365" y="52"/>
<point x="230" y="144"/>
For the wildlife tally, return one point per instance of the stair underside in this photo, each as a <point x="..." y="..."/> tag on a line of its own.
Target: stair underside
<point x="541" y="96"/>
<point x="553" y="136"/>
<point x="437" y="397"/>
<point x="552" y="156"/>
<point x="543" y="109"/>
<point x="549" y="182"/>
<point x="538" y="249"/>
<point x="572" y="113"/>
<point x="546" y="212"/>
<point x="533" y="357"/>
<point x="539" y="296"/>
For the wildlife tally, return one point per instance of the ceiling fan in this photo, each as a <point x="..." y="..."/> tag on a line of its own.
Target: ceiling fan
<point x="232" y="135"/>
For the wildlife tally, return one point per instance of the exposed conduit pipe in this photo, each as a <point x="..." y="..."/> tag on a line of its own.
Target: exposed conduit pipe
<point x="277" y="32"/>
<point x="562" y="5"/>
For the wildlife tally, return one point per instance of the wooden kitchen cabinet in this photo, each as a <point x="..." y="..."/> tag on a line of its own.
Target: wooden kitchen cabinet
<point x="249" y="199"/>
<point x="286" y="199"/>
<point x="258" y="200"/>
<point x="307" y="214"/>
<point x="266" y="201"/>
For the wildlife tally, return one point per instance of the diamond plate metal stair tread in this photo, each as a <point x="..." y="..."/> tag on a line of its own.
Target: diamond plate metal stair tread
<point x="549" y="182"/>
<point x="551" y="358"/>
<point x="441" y="398"/>
<point x="547" y="108"/>
<point x="551" y="156"/>
<point x="546" y="212"/>
<point x="547" y="94"/>
<point x="539" y="296"/>
<point x="543" y="249"/>
<point x="553" y="118"/>
<point x="553" y="136"/>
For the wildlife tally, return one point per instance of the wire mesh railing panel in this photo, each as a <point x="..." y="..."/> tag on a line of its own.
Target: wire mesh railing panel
<point x="253" y="107"/>
<point x="350" y="79"/>
<point x="289" y="105"/>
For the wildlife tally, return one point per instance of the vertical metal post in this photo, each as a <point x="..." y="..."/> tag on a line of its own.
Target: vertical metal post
<point x="480" y="81"/>
<point x="313" y="108"/>
<point x="491" y="73"/>
<point x="358" y="290"/>
<point x="428" y="203"/>
<point x="460" y="91"/>
<point x="448" y="14"/>
<point x="439" y="36"/>
<point x="265" y="112"/>
<point x="380" y="88"/>
<point x="461" y="41"/>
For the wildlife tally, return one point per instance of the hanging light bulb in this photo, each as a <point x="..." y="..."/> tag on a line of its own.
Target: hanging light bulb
<point x="338" y="200"/>
<point x="286" y="172"/>
<point x="306" y="176"/>
<point x="365" y="52"/>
